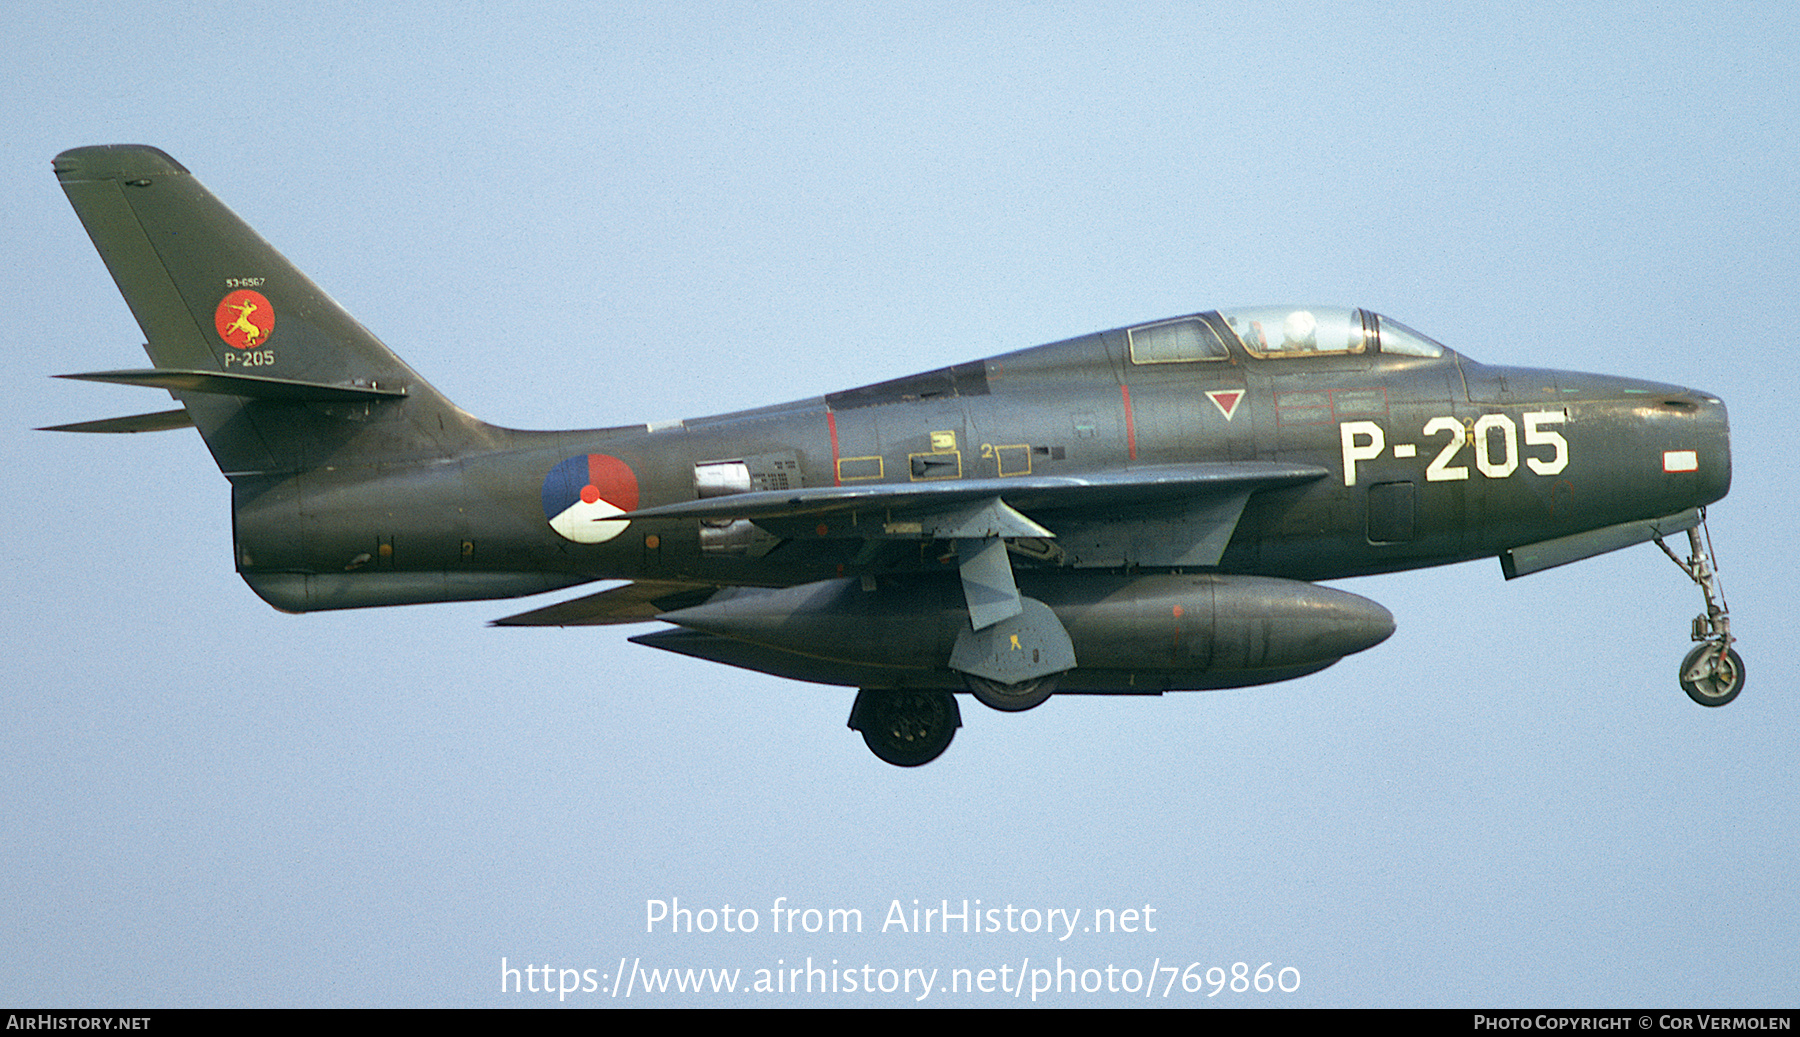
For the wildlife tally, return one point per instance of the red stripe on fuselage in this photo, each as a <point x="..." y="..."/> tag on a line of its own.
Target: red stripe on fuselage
<point x="1130" y="422"/>
<point x="831" y="420"/>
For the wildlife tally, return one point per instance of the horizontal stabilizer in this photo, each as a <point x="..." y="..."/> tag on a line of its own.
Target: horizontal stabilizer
<point x="161" y="421"/>
<point x="639" y="602"/>
<point x="319" y="592"/>
<point x="1096" y="493"/>
<point x="258" y="387"/>
<point x="1523" y="561"/>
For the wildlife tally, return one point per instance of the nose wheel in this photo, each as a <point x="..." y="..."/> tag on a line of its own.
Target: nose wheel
<point x="1712" y="674"/>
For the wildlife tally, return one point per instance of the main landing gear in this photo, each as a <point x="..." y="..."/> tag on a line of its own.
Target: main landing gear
<point x="1010" y="698"/>
<point x="906" y="728"/>
<point x="1712" y="674"/>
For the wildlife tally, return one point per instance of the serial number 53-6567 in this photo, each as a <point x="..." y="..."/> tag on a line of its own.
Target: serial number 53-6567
<point x="244" y="282"/>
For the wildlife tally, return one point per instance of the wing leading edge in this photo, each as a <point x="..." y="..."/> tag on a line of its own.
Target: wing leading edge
<point x="1095" y="496"/>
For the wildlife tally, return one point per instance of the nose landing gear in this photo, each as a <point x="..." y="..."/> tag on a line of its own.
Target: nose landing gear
<point x="1712" y="674"/>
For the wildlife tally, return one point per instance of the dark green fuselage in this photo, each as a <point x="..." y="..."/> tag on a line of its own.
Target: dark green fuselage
<point x="1067" y="408"/>
<point x="1132" y="511"/>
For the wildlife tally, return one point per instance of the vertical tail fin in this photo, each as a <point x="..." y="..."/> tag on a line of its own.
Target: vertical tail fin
<point x="215" y="299"/>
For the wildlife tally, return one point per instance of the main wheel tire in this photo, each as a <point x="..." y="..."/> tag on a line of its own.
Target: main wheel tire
<point x="1721" y="684"/>
<point x="909" y="728"/>
<point x="1010" y="698"/>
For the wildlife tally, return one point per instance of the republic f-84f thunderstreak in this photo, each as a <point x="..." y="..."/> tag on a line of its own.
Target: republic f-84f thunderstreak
<point x="1129" y="512"/>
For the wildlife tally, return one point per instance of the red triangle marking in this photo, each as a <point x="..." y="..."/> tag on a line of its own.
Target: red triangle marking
<point x="1226" y="400"/>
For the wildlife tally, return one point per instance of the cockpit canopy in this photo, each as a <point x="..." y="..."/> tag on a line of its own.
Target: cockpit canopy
<point x="1276" y="332"/>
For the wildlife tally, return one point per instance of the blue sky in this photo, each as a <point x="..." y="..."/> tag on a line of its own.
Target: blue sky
<point x="578" y="218"/>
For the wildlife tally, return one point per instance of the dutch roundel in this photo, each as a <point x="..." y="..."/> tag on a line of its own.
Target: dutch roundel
<point x="582" y="494"/>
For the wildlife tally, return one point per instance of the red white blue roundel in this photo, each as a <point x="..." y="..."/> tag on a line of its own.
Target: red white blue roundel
<point x="582" y="494"/>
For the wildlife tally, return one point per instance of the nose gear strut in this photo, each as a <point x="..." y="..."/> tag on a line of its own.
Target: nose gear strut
<point x="1712" y="674"/>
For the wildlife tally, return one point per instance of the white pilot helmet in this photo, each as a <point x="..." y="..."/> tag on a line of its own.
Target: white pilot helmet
<point x="1299" y="330"/>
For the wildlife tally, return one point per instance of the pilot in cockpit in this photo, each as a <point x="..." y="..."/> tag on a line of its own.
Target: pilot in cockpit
<point x="1300" y="333"/>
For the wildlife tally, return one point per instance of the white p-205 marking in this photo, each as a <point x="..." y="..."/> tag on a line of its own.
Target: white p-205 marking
<point x="1364" y="441"/>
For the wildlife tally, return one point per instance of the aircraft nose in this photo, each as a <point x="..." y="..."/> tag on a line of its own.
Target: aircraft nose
<point x="1662" y="448"/>
<point x="1713" y="455"/>
<point x="1693" y="434"/>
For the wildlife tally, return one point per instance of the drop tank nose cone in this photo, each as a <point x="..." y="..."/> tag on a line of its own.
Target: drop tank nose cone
<point x="1332" y="623"/>
<point x="1360" y="624"/>
<point x="1225" y="623"/>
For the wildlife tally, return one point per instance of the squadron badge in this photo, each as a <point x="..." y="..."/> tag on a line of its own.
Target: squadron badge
<point x="244" y="319"/>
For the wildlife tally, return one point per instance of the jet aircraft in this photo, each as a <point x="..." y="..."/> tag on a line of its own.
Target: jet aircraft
<point x="1134" y="511"/>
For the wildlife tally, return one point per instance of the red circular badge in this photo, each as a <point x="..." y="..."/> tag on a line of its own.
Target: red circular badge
<point x="244" y="319"/>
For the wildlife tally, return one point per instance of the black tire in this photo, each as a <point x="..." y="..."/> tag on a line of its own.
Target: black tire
<point x="1724" y="683"/>
<point x="907" y="728"/>
<point x="1010" y="698"/>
